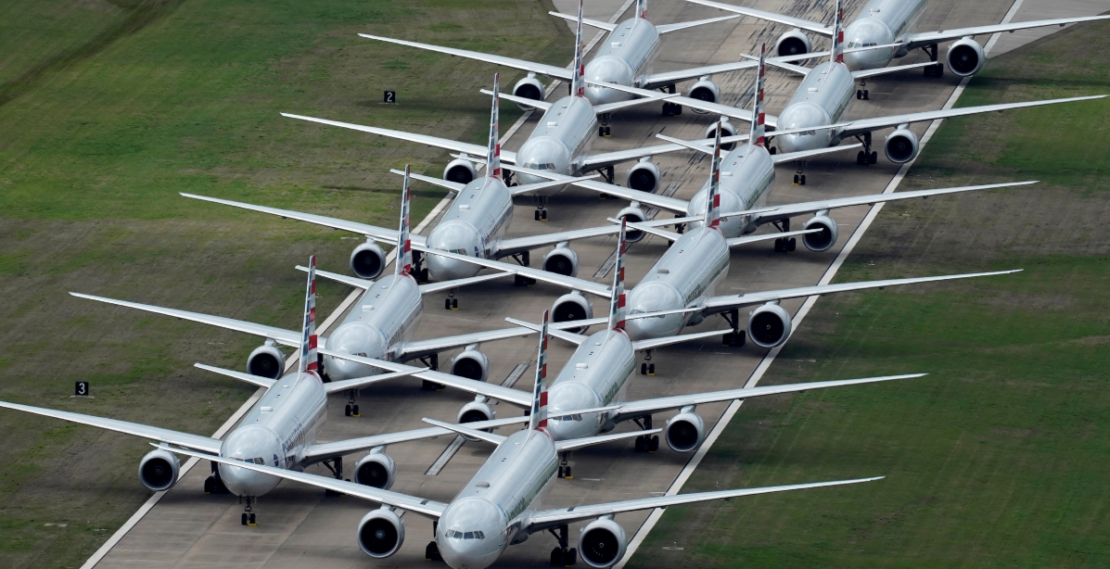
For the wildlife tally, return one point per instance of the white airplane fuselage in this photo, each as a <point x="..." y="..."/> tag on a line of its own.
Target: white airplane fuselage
<point x="495" y="503"/>
<point x="560" y="141"/>
<point x="627" y="54"/>
<point x="478" y="218"/>
<point x="881" y="22"/>
<point x="275" y="432"/>
<point x="594" y="376"/>
<point x="376" y="327"/>
<point x="688" y="272"/>
<point x="746" y="177"/>
<point x="820" y="100"/>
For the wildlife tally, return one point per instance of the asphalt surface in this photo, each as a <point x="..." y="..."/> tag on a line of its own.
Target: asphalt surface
<point x="300" y="527"/>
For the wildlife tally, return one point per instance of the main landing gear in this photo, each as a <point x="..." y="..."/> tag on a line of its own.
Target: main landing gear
<point x="933" y="70"/>
<point x="418" y="270"/>
<point x="248" y="518"/>
<point x="737" y="337"/>
<point x="432" y="361"/>
<point x="562" y="556"/>
<point x="646" y="443"/>
<point x="351" y="409"/>
<point x="671" y="109"/>
<point x="799" y="176"/>
<point x="866" y="157"/>
<point x="564" y="466"/>
<point x="431" y="552"/>
<point x="213" y="484"/>
<point x="335" y="465"/>
<point x="607" y="175"/>
<point x="647" y="368"/>
<point x="541" y="208"/>
<point x="451" y="303"/>
<point x="783" y="244"/>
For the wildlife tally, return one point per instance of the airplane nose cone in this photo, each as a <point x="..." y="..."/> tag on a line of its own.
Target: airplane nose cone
<point x="543" y="153"/>
<point x="254" y="444"/>
<point x="567" y="397"/>
<point x="730" y="202"/>
<point x="653" y="297"/>
<point x="607" y="70"/>
<point x="802" y="115"/>
<point x="455" y="236"/>
<point x="863" y="33"/>
<point x="469" y="534"/>
<point x="355" y="339"/>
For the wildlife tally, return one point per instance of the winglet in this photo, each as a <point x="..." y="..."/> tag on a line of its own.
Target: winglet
<point x="403" y="264"/>
<point x="758" y="132"/>
<point x="538" y="419"/>
<point x="616" y="302"/>
<point x="641" y="9"/>
<point x="578" y="82"/>
<point x="493" y="156"/>
<point x="838" y="34"/>
<point x="309" y="359"/>
<point x="713" y="201"/>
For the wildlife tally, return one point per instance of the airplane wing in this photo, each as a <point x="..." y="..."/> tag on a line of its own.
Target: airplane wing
<point x="286" y="337"/>
<point x="324" y="451"/>
<point x="507" y="247"/>
<point x="445" y="143"/>
<point x="372" y="231"/>
<point x="573" y="283"/>
<point x="576" y="339"/>
<point x="914" y="41"/>
<point x="421" y="348"/>
<point x="360" y="382"/>
<point x="592" y="23"/>
<point x="542" y="68"/>
<point x="791" y="210"/>
<point x="722" y="303"/>
<point x="671" y="340"/>
<point x="424" y="507"/>
<point x="574" y="444"/>
<point x="806" y="154"/>
<point x="869" y="73"/>
<point x="542" y="520"/>
<point x="448" y="285"/>
<point x="656" y="200"/>
<point x="468" y="431"/>
<point x="660" y="79"/>
<point x="634" y="409"/>
<point x="655" y="96"/>
<point x="197" y="442"/>
<point x="815" y="27"/>
<point x="525" y="189"/>
<point x="712" y="108"/>
<point x="867" y="125"/>
<point x="668" y="28"/>
<point x="748" y="239"/>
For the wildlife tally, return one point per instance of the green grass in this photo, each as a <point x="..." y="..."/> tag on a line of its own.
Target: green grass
<point x="109" y="109"/>
<point x="998" y="458"/>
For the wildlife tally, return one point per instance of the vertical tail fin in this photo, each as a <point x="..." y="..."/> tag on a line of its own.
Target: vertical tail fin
<point x="578" y="82"/>
<point x="759" y="133"/>
<point x="493" y="157"/>
<point x="404" y="243"/>
<point x="309" y="359"/>
<point x="713" y="201"/>
<point x="838" y="34"/>
<point x="538" y="419"/>
<point x="616" y="302"/>
<point x="641" y="9"/>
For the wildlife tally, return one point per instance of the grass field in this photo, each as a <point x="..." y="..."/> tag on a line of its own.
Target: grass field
<point x="109" y="109"/>
<point x="998" y="458"/>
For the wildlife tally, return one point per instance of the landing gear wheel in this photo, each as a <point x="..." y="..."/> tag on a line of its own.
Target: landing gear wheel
<point x="431" y="552"/>
<point x="773" y="150"/>
<point x="430" y="386"/>
<point x="796" y="178"/>
<point x="651" y="369"/>
<point x="251" y="519"/>
<point x="654" y="446"/>
<point x="354" y="411"/>
<point x="866" y="95"/>
<point x="347" y="411"/>
<point x="541" y="215"/>
<point x="778" y="245"/>
<point x="210" y="485"/>
<point x="873" y="158"/>
<point x="568" y="473"/>
<point x="643" y="369"/>
<point x="452" y="304"/>
<point x="557" y="557"/>
<point x="570" y="557"/>
<point x="861" y="158"/>
<point x="803" y="179"/>
<point x="243" y="518"/>
<point x="859" y="94"/>
<point x="792" y="245"/>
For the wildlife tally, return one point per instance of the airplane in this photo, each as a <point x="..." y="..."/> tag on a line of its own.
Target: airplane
<point x="887" y="25"/>
<point x="280" y="430"/>
<point x="589" y="391"/>
<point x="813" y="117"/>
<point x="497" y="507"/>
<point x="747" y="175"/>
<point x="678" y="291"/>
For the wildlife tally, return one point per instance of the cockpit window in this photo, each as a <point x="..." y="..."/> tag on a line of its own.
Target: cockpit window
<point x="466" y="535"/>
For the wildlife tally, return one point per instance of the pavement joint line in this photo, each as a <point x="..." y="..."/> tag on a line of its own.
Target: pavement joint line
<point x="726" y="417"/>
<point x="446" y="456"/>
<point x="339" y="311"/>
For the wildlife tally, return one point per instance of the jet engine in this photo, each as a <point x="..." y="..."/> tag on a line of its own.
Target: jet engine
<point x="633" y="214"/>
<point x="381" y="533"/>
<point x="158" y="470"/>
<point x="793" y="42"/>
<point x="460" y="170"/>
<point x="602" y="543"/>
<point x="572" y="306"/>
<point x="769" y="326"/>
<point x="644" y="176"/>
<point x="685" y="431"/>
<point x="477" y="410"/>
<point x="529" y="88"/>
<point x="901" y="145"/>
<point x="376" y="470"/>
<point x="825" y="239"/>
<point x="704" y="90"/>
<point x="266" y="361"/>
<point x="367" y="260"/>
<point x="965" y="57"/>
<point x="471" y="364"/>
<point x="727" y="129"/>
<point x="561" y="260"/>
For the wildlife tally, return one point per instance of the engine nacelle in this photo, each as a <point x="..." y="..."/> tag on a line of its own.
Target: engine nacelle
<point x="793" y="42"/>
<point x="825" y="239"/>
<point x="644" y="176"/>
<point x="529" y="88"/>
<point x="704" y="90"/>
<point x="158" y="470"/>
<point x="685" y="431"/>
<point x="471" y="364"/>
<point x="561" y="260"/>
<point x="633" y="214"/>
<point x="476" y="411"/>
<point x="367" y="260"/>
<point x="727" y="129"/>
<point x="460" y="170"/>
<point x="376" y="469"/>
<point x="965" y="57"/>
<point x="572" y="306"/>
<point x="266" y="361"/>
<point x="769" y="326"/>
<point x="381" y="533"/>
<point x="901" y="146"/>
<point x="602" y="543"/>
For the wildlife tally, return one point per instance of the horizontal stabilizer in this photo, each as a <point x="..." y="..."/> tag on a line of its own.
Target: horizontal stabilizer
<point x="250" y="378"/>
<point x="745" y="240"/>
<point x="364" y="284"/>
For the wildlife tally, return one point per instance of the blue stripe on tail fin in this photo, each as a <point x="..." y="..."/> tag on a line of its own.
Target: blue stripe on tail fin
<point x="578" y="81"/>
<point x="713" y="201"/>
<point x="493" y="155"/>
<point x="309" y="359"/>
<point x="758" y="135"/>
<point x="616" y="302"/>
<point x="404" y="243"/>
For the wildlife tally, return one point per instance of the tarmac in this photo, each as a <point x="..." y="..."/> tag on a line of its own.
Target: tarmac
<point x="299" y="527"/>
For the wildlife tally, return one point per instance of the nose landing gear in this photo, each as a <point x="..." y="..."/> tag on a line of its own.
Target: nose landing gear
<point x="541" y="209"/>
<point x="451" y="303"/>
<point x="564" y="467"/>
<point x="351" y="410"/>
<point x="647" y="368"/>
<point x="799" y="177"/>
<point x="248" y="518"/>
